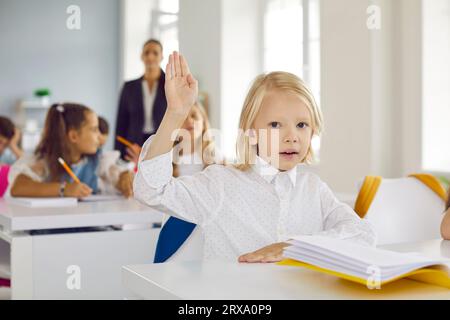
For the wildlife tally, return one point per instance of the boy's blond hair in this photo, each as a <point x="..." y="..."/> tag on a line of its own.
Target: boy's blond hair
<point x="282" y="82"/>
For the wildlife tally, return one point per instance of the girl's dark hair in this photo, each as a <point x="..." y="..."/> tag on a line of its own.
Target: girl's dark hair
<point x="60" y="119"/>
<point x="103" y="125"/>
<point x="155" y="42"/>
<point x="7" y="128"/>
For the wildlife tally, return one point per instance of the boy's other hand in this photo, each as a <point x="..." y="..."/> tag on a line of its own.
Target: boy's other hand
<point x="269" y="254"/>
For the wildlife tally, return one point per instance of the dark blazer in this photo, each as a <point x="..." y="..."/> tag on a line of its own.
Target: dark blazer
<point x="130" y="118"/>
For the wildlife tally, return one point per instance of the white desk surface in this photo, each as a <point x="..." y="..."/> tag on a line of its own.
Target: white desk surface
<point x="86" y="214"/>
<point x="228" y="280"/>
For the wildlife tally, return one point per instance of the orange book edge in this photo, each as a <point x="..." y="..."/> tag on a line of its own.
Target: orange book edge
<point x="434" y="275"/>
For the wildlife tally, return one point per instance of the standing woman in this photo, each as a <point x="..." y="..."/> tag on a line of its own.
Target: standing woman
<point x="142" y="102"/>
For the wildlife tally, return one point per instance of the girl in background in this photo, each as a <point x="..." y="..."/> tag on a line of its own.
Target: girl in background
<point x="71" y="132"/>
<point x="10" y="150"/>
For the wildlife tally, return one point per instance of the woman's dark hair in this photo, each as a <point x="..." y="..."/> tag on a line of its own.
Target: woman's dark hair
<point x="7" y="128"/>
<point x="103" y="125"/>
<point x="60" y="119"/>
<point x="155" y="42"/>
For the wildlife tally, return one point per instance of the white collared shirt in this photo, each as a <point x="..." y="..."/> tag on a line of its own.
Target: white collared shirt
<point x="190" y="164"/>
<point x="269" y="172"/>
<point x="149" y="101"/>
<point x="241" y="212"/>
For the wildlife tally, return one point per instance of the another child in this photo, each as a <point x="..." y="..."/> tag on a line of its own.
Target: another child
<point x="103" y="127"/>
<point x="9" y="142"/>
<point x="193" y="151"/>
<point x="445" y="227"/>
<point x="110" y="158"/>
<point x="71" y="132"/>
<point x="269" y="197"/>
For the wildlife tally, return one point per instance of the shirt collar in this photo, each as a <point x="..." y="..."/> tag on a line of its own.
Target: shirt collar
<point x="147" y="89"/>
<point x="268" y="172"/>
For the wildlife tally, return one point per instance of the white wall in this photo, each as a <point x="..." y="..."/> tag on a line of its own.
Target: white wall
<point x="37" y="50"/>
<point x="200" y="27"/>
<point x="436" y="85"/>
<point x="346" y="151"/>
<point x="136" y="20"/>
<point x="409" y="50"/>
<point x="371" y="91"/>
<point x="241" y="61"/>
<point x="385" y="114"/>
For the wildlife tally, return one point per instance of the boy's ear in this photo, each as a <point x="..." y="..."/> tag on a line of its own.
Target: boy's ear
<point x="253" y="137"/>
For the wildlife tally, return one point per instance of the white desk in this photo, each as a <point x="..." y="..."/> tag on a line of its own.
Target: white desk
<point x="228" y="280"/>
<point x="39" y="264"/>
<point x="86" y="214"/>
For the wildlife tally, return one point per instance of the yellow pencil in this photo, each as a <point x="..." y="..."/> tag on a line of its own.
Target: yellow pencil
<point x="125" y="141"/>
<point x="69" y="171"/>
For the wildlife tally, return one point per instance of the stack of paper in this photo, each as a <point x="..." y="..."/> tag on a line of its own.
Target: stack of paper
<point x="363" y="264"/>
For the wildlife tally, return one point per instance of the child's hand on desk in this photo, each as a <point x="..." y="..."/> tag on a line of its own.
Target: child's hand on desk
<point x="133" y="153"/>
<point x="269" y="254"/>
<point x="125" y="184"/>
<point x="77" y="190"/>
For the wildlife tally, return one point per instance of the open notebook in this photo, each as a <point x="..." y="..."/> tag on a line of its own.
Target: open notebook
<point x="364" y="265"/>
<point x="59" y="202"/>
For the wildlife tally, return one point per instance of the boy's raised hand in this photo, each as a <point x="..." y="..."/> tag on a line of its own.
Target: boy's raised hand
<point x="181" y="94"/>
<point x="181" y="87"/>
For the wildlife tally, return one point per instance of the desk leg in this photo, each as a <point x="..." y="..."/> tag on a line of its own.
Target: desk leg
<point x="22" y="267"/>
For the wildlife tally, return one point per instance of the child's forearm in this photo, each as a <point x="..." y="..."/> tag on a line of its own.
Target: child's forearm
<point x="162" y="141"/>
<point x="445" y="226"/>
<point x="16" y="150"/>
<point x="25" y="187"/>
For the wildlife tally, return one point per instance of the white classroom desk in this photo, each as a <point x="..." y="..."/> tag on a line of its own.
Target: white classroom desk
<point x="228" y="280"/>
<point x="40" y="264"/>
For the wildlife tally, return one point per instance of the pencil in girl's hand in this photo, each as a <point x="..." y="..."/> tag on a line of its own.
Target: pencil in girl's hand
<point x="69" y="171"/>
<point x="125" y="141"/>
